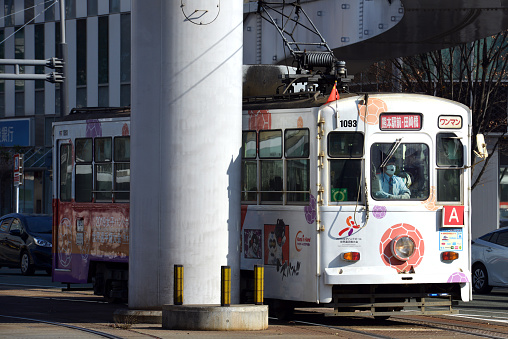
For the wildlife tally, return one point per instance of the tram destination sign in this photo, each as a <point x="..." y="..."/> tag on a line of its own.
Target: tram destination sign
<point x="400" y="121"/>
<point x="450" y="121"/>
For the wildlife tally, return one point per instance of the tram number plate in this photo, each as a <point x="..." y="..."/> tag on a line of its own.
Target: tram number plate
<point x="348" y="123"/>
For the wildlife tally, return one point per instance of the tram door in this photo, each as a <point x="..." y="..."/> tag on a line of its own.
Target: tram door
<point x="63" y="194"/>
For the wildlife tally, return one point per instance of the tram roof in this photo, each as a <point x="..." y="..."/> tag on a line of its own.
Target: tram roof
<point x="87" y="113"/>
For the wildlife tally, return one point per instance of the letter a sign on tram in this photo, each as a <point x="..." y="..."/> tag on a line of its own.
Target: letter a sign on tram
<point x="453" y="216"/>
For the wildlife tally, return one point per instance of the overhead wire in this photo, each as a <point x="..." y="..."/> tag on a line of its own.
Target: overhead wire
<point x="29" y="21"/>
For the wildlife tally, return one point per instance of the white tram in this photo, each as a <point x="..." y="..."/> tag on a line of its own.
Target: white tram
<point x="361" y="204"/>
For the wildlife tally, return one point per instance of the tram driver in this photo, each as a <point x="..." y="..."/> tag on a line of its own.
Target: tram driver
<point x="391" y="186"/>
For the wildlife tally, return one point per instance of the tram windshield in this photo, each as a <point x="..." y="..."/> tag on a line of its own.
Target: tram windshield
<point x="400" y="172"/>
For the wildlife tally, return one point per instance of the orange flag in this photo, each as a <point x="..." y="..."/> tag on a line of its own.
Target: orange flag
<point x="334" y="95"/>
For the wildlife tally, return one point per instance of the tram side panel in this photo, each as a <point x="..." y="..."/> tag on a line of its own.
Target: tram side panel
<point x="90" y="204"/>
<point x="279" y="222"/>
<point x="358" y="238"/>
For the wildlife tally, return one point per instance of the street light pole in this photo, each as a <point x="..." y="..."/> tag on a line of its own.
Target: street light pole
<point x="64" y="102"/>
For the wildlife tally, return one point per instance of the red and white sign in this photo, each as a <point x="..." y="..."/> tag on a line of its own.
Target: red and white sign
<point x="450" y="121"/>
<point x="400" y="121"/>
<point x="16" y="170"/>
<point x="453" y="216"/>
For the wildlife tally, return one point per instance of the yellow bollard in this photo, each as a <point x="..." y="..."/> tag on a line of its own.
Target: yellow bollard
<point x="259" y="284"/>
<point x="178" y="285"/>
<point x="225" y="292"/>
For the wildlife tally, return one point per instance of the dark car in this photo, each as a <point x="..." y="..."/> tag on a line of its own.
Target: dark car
<point x="25" y="242"/>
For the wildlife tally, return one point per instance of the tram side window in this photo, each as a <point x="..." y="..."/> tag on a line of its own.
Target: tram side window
<point x="296" y="151"/>
<point x="84" y="171"/>
<point x="449" y="157"/>
<point x="103" y="170"/>
<point x="122" y="168"/>
<point x="65" y="172"/>
<point x="249" y="166"/>
<point x="271" y="166"/>
<point x="399" y="171"/>
<point x="346" y="172"/>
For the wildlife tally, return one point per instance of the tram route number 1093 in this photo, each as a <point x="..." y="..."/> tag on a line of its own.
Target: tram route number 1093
<point x="347" y="123"/>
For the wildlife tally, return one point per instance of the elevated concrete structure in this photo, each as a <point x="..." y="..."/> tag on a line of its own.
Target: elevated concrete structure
<point x="185" y="149"/>
<point x="362" y="32"/>
<point x="215" y="318"/>
<point x="428" y="25"/>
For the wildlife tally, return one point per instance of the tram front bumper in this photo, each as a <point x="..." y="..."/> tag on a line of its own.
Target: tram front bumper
<point x="388" y="275"/>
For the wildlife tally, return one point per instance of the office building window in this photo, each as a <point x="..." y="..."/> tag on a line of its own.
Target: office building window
<point x="49" y="10"/>
<point x="9" y="12"/>
<point x="81" y="63"/>
<point x="29" y="11"/>
<point x="92" y="8"/>
<point x="103" y="61"/>
<point x="39" y="55"/>
<point x="114" y="6"/>
<point x="70" y="9"/>
<point x="103" y="40"/>
<point x="19" y="53"/>
<point x="125" y="59"/>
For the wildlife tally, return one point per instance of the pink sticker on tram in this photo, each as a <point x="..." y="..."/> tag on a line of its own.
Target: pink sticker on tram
<point x="458" y="277"/>
<point x="379" y="212"/>
<point x="385" y="247"/>
<point x="310" y="210"/>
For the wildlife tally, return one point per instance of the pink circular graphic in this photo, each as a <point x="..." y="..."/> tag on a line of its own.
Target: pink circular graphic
<point x="93" y="128"/>
<point x="379" y="212"/>
<point x="386" y="253"/>
<point x="458" y="277"/>
<point x="310" y="210"/>
<point x="370" y="113"/>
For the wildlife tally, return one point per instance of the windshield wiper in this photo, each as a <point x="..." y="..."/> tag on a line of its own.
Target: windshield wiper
<point x="392" y="151"/>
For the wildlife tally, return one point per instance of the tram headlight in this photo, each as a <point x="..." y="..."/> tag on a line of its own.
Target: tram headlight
<point x="403" y="247"/>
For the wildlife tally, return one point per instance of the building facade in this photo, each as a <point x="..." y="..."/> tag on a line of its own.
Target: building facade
<point x="98" y="36"/>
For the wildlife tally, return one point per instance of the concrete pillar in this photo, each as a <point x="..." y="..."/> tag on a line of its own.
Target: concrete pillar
<point x="185" y="149"/>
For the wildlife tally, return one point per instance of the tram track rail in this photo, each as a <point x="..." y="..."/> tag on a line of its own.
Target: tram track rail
<point x="72" y="327"/>
<point x="458" y="326"/>
<point x="402" y="326"/>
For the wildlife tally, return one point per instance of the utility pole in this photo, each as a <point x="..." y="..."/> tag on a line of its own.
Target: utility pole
<point x="64" y="102"/>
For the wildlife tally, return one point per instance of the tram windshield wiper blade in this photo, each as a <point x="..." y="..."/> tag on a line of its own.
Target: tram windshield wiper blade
<point x="395" y="145"/>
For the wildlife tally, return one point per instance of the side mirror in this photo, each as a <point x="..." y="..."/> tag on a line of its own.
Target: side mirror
<point x="481" y="147"/>
<point x="15" y="232"/>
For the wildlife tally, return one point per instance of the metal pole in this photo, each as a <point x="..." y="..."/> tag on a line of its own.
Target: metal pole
<point x="17" y="199"/>
<point x="259" y="284"/>
<point x="178" y="285"/>
<point x="64" y="102"/>
<point x="225" y="295"/>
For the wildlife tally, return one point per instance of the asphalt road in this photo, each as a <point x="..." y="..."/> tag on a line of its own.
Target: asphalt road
<point x="37" y="297"/>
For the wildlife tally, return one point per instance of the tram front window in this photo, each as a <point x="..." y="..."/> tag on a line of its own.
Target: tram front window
<point x="399" y="171"/>
<point x="345" y="150"/>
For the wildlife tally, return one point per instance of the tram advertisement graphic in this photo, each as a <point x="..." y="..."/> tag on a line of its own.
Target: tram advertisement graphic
<point x="252" y="244"/>
<point x="276" y="244"/>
